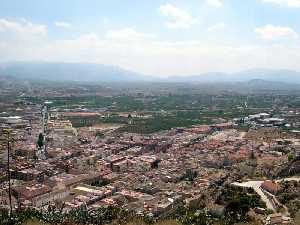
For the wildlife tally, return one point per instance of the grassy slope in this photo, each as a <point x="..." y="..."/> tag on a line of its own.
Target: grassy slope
<point x="134" y="222"/>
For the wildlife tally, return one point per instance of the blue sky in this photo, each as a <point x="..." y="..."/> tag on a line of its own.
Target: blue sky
<point x="163" y="38"/>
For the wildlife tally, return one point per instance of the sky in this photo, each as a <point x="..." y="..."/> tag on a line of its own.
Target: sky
<point x="154" y="37"/>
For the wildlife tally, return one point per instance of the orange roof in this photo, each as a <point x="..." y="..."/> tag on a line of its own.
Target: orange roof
<point x="271" y="186"/>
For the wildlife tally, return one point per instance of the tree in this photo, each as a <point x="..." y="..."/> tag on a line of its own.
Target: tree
<point x="99" y="134"/>
<point x="190" y="175"/>
<point x="290" y="157"/>
<point x="40" y="141"/>
<point x="252" y="155"/>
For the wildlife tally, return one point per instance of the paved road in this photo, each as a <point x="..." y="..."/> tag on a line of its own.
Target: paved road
<point x="256" y="186"/>
<point x="289" y="179"/>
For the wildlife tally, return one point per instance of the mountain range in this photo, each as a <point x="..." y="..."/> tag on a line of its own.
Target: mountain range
<point x="81" y="72"/>
<point x="286" y="76"/>
<point x="87" y="72"/>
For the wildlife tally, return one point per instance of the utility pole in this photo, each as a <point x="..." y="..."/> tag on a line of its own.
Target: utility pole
<point x="8" y="133"/>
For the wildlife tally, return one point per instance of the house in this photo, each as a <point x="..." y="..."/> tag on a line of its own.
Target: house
<point x="270" y="186"/>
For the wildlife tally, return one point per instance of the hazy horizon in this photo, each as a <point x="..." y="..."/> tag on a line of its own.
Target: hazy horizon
<point x="158" y="37"/>
<point x="163" y="38"/>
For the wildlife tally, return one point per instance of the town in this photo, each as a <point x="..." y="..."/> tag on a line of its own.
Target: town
<point x="150" y="152"/>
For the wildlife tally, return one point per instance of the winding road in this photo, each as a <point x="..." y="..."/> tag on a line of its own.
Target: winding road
<point x="256" y="185"/>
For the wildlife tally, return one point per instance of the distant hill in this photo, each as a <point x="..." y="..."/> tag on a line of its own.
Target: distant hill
<point x="88" y="72"/>
<point x="286" y="76"/>
<point x="260" y="84"/>
<point x="68" y="72"/>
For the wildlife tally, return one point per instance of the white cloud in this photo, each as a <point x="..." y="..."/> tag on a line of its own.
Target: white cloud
<point x="105" y="21"/>
<point x="161" y="58"/>
<point x="271" y="32"/>
<point x="22" y="28"/>
<point x="215" y="3"/>
<point x="287" y="3"/>
<point x="217" y="27"/>
<point x="147" y="55"/>
<point x="62" y="24"/>
<point x="127" y="34"/>
<point x="177" y="18"/>
<point x="20" y="38"/>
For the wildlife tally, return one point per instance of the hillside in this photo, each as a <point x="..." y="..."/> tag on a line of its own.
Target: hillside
<point x="68" y="72"/>
<point x="286" y="76"/>
<point x="290" y="169"/>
